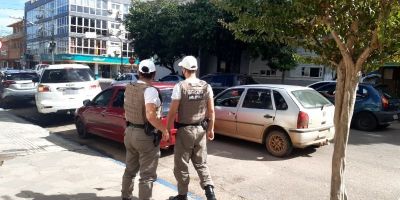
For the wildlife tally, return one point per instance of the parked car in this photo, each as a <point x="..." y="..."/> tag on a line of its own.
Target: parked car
<point x="221" y="81"/>
<point x="62" y="88"/>
<point x="17" y="85"/>
<point x="125" y="78"/>
<point x="279" y="116"/>
<point x="105" y="115"/>
<point x="172" y="78"/>
<point x="318" y="84"/>
<point x="373" y="107"/>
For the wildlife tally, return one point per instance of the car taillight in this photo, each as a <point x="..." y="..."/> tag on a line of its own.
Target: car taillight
<point x="43" y="88"/>
<point x="302" y="120"/>
<point x="7" y="84"/>
<point x="385" y="102"/>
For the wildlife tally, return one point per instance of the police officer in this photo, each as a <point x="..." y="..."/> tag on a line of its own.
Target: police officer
<point x="192" y="99"/>
<point x="142" y="104"/>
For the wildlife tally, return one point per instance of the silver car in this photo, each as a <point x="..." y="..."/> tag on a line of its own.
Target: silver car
<point x="279" y="116"/>
<point x="17" y="85"/>
<point x="125" y="78"/>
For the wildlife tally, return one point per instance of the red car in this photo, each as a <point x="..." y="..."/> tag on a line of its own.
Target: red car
<point x="105" y="116"/>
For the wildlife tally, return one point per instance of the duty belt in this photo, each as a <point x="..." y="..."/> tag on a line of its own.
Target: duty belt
<point x="134" y="125"/>
<point x="180" y="125"/>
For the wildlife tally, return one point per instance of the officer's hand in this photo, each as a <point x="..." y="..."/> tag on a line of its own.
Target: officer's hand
<point x="210" y="135"/>
<point x="165" y="136"/>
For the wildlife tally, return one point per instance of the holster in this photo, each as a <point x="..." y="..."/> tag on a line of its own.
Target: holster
<point x="151" y="131"/>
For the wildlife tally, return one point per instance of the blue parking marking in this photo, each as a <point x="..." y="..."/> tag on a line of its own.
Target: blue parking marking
<point x="161" y="181"/>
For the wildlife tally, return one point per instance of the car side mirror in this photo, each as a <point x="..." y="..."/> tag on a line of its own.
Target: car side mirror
<point x="35" y="80"/>
<point x="87" y="102"/>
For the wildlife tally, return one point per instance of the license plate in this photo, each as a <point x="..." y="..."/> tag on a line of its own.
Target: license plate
<point x="395" y="117"/>
<point x="70" y="92"/>
<point x="26" y="85"/>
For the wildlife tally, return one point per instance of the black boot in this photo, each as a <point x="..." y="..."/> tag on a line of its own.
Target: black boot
<point x="179" y="197"/>
<point x="210" y="192"/>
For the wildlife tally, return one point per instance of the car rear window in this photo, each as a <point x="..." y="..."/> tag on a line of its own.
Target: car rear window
<point x="21" y="76"/>
<point x="310" y="98"/>
<point x="67" y="75"/>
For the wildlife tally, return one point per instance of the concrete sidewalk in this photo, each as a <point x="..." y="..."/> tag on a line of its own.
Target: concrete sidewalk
<point x="35" y="164"/>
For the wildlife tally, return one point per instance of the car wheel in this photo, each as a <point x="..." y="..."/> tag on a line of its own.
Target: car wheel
<point x="278" y="143"/>
<point x="4" y="103"/>
<point x="366" y="122"/>
<point x="81" y="129"/>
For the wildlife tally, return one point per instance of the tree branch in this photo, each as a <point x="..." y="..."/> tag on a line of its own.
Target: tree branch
<point x="352" y="38"/>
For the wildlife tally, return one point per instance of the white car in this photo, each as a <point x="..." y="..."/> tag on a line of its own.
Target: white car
<point x="64" y="87"/>
<point x="279" y="116"/>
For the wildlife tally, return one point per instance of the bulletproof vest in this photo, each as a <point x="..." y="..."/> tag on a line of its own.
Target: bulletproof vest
<point x="135" y="110"/>
<point x="193" y="104"/>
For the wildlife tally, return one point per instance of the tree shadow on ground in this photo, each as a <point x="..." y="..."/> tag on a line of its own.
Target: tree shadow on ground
<point x="228" y="147"/>
<point x="39" y="196"/>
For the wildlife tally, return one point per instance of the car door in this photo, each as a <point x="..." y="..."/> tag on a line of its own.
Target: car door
<point x="94" y="115"/>
<point x="114" y="116"/>
<point x="226" y="106"/>
<point x="255" y="113"/>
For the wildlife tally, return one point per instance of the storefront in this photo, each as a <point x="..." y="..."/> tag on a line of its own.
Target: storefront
<point x="102" y="66"/>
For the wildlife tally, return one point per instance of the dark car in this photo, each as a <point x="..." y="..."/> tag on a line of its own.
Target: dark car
<point x="171" y="78"/>
<point x="105" y="114"/>
<point x="373" y="107"/>
<point x="221" y="81"/>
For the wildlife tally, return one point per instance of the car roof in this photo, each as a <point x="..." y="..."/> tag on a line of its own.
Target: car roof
<point x="63" y="66"/>
<point x="18" y="71"/>
<point x="225" y="74"/>
<point x="275" y="86"/>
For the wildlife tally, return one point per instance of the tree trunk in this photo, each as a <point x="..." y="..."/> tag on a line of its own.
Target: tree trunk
<point x="346" y="85"/>
<point x="283" y="77"/>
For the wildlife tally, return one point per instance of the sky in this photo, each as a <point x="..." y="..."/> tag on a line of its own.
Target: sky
<point x="10" y="9"/>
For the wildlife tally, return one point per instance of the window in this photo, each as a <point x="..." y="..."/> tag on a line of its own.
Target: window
<point x="280" y="103"/>
<point x="230" y="98"/>
<point x="310" y="98"/>
<point x="311" y="72"/>
<point x="103" y="98"/>
<point x="119" y="99"/>
<point x="362" y="92"/>
<point x="258" y="99"/>
<point x="67" y="75"/>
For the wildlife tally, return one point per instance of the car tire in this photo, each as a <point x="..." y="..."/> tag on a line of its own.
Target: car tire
<point x="81" y="129"/>
<point x="278" y="143"/>
<point x="365" y="121"/>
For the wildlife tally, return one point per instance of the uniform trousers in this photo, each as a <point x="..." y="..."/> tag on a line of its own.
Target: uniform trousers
<point x="141" y="156"/>
<point x="191" y="144"/>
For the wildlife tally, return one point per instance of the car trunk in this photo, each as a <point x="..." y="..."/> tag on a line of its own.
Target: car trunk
<point x="319" y="110"/>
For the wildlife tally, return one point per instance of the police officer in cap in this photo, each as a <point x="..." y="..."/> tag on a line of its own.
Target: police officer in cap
<point x="142" y="105"/>
<point x="193" y="100"/>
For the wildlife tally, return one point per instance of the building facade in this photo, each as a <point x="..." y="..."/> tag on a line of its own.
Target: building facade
<point x="79" y="31"/>
<point x="13" y="48"/>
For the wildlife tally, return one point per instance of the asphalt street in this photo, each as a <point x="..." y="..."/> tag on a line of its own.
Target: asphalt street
<point x="244" y="170"/>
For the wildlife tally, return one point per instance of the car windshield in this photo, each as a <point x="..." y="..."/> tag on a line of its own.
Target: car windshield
<point x="67" y="75"/>
<point x="310" y="98"/>
<point x="21" y="76"/>
<point x="166" y="98"/>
